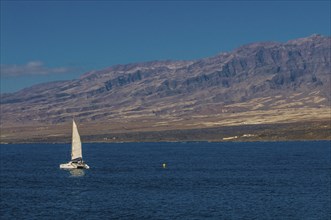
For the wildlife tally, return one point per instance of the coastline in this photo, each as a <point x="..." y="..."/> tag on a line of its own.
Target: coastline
<point x="300" y="131"/>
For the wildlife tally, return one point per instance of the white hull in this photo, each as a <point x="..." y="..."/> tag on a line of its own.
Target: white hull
<point x="72" y="165"/>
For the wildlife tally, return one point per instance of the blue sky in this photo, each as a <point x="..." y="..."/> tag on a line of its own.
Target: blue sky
<point x="56" y="40"/>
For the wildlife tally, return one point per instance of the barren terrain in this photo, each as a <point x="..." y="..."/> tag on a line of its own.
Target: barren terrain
<point x="284" y="88"/>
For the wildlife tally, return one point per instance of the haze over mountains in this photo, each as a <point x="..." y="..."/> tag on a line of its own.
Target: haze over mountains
<point x="259" y="83"/>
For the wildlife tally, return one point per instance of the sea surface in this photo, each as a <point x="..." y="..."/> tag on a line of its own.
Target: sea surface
<point x="262" y="180"/>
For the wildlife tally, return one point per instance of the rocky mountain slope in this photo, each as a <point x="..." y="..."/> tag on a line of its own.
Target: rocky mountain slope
<point x="259" y="83"/>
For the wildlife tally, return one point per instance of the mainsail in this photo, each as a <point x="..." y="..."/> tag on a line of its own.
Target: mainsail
<point x="76" y="146"/>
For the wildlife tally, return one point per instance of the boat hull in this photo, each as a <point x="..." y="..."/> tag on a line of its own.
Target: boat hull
<point x="71" y="165"/>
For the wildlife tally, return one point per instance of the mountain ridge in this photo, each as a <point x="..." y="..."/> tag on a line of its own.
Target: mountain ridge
<point x="225" y="89"/>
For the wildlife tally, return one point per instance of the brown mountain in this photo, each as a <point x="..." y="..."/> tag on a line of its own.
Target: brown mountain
<point x="260" y="83"/>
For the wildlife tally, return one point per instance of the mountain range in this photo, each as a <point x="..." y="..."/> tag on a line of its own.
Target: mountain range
<point x="260" y="83"/>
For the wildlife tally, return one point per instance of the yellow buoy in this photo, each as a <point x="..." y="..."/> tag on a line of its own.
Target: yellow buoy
<point x="164" y="165"/>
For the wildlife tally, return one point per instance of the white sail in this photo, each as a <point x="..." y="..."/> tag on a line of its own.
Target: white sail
<point x="76" y="146"/>
<point x="76" y="152"/>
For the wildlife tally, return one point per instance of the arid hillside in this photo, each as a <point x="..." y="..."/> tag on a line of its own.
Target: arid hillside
<point x="266" y="83"/>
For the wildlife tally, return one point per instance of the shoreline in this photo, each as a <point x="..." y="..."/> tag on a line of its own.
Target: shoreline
<point x="251" y="141"/>
<point x="300" y="131"/>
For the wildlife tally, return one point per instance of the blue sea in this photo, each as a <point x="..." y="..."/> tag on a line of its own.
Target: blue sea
<point x="257" y="180"/>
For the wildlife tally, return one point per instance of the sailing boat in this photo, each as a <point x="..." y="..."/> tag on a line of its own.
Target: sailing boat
<point x="76" y="152"/>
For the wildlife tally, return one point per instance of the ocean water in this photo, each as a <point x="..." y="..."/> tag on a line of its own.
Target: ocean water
<point x="266" y="180"/>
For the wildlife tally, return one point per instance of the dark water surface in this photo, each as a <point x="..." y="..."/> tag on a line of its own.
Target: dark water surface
<point x="279" y="180"/>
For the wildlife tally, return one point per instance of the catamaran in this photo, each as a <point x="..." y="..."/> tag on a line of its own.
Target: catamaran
<point x="76" y="152"/>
